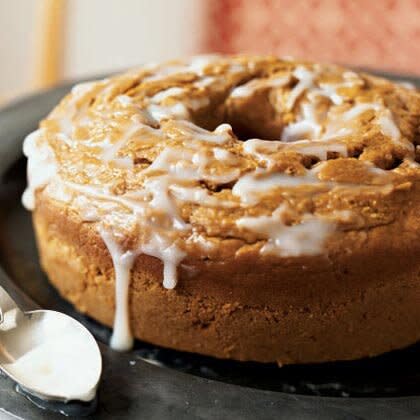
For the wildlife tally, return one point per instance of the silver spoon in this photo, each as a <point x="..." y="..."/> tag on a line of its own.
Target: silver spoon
<point x="47" y="353"/>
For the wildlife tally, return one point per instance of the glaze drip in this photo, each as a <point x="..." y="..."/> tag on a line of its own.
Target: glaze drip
<point x="122" y="338"/>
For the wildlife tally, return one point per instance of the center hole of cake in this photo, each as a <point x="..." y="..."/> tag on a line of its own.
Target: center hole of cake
<point x="244" y="131"/>
<point x="255" y="120"/>
<point x="248" y="125"/>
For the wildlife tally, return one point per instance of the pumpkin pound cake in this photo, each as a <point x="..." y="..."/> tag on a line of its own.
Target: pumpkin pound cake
<point x="242" y="207"/>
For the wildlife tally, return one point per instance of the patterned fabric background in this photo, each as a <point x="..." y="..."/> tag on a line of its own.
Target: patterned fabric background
<point x="372" y="33"/>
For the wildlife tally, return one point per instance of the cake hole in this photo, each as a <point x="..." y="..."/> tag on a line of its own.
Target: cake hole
<point x="394" y="164"/>
<point x="355" y="153"/>
<point x="141" y="161"/>
<point x="243" y="128"/>
<point x="253" y="116"/>
<point x="249" y="123"/>
<point x="310" y="161"/>
<point x="219" y="187"/>
<point x="333" y="155"/>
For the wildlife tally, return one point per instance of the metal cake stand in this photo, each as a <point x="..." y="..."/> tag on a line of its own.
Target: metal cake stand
<point x="156" y="383"/>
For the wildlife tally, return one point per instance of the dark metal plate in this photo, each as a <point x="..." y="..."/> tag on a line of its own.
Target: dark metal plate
<point x="179" y="384"/>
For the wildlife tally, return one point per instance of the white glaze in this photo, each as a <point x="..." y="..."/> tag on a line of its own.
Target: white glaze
<point x="199" y="196"/>
<point x="110" y="151"/>
<point x="306" y="127"/>
<point x="170" y="255"/>
<point x="205" y="82"/>
<point x="123" y="261"/>
<point x="251" y="186"/>
<point x="167" y="93"/>
<point x="249" y="88"/>
<point x="199" y="63"/>
<point x="320" y="148"/>
<point x="160" y="112"/>
<point x="222" y="133"/>
<point x="359" y="109"/>
<point x="305" y="81"/>
<point x="41" y="166"/>
<point x="304" y="238"/>
<point x="189" y="165"/>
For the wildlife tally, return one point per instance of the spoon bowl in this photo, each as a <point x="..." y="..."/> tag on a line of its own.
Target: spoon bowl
<point x="49" y="354"/>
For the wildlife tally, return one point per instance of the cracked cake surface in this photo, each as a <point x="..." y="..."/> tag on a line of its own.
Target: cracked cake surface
<point x="271" y="186"/>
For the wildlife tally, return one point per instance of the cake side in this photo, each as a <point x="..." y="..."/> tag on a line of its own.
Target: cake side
<point x="349" y="305"/>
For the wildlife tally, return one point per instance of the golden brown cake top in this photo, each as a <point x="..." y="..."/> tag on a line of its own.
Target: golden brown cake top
<point x="244" y="151"/>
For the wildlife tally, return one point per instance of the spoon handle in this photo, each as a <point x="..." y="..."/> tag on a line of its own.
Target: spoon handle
<point x="11" y="297"/>
<point x="6" y="303"/>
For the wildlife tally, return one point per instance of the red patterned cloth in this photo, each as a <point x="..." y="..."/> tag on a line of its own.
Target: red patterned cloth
<point x="378" y="34"/>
